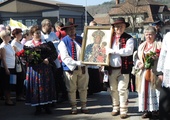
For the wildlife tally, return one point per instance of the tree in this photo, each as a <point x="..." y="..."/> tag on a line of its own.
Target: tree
<point x="134" y="11"/>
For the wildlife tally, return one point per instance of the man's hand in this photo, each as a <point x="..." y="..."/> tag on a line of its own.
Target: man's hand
<point x="109" y="51"/>
<point x="78" y="63"/>
<point x="46" y="61"/>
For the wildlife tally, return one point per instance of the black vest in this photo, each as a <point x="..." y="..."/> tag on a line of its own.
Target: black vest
<point x="127" y="62"/>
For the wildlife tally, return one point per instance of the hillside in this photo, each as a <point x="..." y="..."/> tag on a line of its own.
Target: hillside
<point x="106" y="6"/>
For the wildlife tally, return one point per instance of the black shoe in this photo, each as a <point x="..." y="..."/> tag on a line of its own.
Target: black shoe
<point x="147" y="115"/>
<point x="9" y="103"/>
<point x="85" y="111"/>
<point x="155" y="114"/>
<point x="47" y="109"/>
<point x="38" y="110"/>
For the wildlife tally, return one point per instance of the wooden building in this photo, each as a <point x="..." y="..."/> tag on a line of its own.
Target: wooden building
<point x="31" y="12"/>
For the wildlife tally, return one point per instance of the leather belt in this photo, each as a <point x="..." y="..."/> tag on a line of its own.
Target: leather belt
<point x="114" y="68"/>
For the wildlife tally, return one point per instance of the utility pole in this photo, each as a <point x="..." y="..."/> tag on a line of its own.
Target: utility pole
<point x="86" y="14"/>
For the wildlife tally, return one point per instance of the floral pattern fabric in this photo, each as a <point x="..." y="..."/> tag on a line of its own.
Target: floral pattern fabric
<point x="40" y="86"/>
<point x="40" y="83"/>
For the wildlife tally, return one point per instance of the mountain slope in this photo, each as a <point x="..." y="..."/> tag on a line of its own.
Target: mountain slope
<point x="106" y="6"/>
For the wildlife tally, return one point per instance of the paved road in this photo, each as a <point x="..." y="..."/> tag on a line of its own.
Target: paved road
<point x="99" y="105"/>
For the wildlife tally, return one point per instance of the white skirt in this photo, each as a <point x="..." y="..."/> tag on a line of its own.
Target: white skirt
<point x="152" y="100"/>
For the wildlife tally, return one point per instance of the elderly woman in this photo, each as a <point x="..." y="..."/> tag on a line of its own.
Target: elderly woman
<point x="147" y="86"/>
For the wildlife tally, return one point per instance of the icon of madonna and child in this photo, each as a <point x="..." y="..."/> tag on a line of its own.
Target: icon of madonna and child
<point x="96" y="51"/>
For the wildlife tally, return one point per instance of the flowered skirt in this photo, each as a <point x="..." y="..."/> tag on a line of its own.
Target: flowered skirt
<point x="40" y="85"/>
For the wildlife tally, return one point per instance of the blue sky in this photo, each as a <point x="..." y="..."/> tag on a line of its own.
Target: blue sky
<point x="84" y="2"/>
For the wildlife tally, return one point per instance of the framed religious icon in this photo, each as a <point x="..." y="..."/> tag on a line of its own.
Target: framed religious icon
<point x="96" y="40"/>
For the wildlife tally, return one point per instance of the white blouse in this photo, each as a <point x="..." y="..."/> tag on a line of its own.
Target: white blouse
<point x="163" y="62"/>
<point x="10" y="55"/>
<point x="18" y="45"/>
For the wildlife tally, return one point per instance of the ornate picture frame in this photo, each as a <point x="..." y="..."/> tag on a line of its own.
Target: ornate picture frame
<point x="95" y="41"/>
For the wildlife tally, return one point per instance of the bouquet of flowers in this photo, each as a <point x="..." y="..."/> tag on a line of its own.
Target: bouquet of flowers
<point x="31" y="55"/>
<point x="149" y="58"/>
<point x="149" y="62"/>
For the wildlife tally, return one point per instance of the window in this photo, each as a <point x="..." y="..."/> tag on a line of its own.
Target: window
<point x="71" y="20"/>
<point x="64" y="20"/>
<point x="31" y="22"/>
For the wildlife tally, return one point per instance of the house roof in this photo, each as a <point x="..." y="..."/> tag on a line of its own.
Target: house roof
<point x="149" y="7"/>
<point x="35" y="5"/>
<point x="54" y="2"/>
<point x="140" y="2"/>
<point x="103" y="19"/>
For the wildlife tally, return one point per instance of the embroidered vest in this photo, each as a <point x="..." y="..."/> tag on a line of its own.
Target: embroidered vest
<point x="127" y="61"/>
<point x="67" y="42"/>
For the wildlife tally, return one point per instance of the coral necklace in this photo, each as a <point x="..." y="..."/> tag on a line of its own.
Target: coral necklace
<point x="36" y="42"/>
<point x="148" y="47"/>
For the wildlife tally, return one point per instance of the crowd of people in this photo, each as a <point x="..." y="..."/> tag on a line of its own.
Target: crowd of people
<point x="52" y="71"/>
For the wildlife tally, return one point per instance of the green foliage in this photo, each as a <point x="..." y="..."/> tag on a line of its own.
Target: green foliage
<point x="149" y="59"/>
<point x="32" y="56"/>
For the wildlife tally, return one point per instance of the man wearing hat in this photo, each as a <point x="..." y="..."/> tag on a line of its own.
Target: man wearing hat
<point x="121" y="53"/>
<point x="76" y="75"/>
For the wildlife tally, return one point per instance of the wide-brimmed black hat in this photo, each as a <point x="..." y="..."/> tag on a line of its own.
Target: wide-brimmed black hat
<point x="119" y="20"/>
<point x="158" y="22"/>
<point x="68" y="25"/>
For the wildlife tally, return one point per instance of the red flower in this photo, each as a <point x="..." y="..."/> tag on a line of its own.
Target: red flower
<point x="158" y="52"/>
<point x="20" y="53"/>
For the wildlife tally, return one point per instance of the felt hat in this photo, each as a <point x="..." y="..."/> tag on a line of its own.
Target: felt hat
<point x="119" y="20"/>
<point x="68" y="25"/>
<point x="158" y="22"/>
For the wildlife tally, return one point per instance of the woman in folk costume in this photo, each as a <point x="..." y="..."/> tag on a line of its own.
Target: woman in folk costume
<point x="40" y="84"/>
<point x="148" y="93"/>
